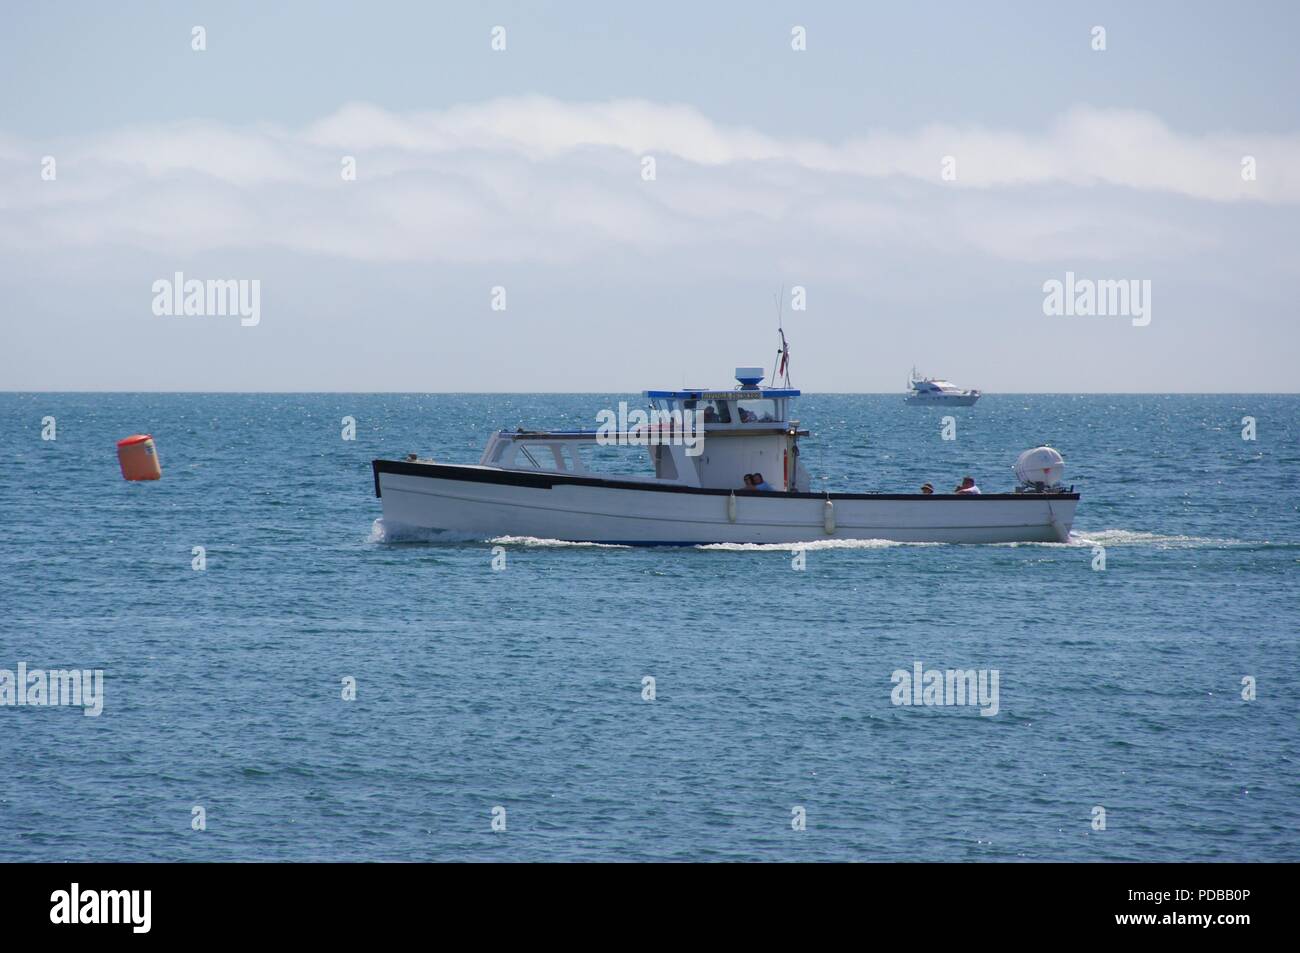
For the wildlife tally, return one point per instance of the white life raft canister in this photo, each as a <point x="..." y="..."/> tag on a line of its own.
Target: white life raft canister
<point x="1040" y="466"/>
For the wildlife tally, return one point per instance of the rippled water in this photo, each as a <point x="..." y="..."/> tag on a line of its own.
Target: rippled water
<point x="522" y="689"/>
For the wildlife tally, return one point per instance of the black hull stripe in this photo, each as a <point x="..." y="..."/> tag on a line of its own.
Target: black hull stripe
<point x="545" y="481"/>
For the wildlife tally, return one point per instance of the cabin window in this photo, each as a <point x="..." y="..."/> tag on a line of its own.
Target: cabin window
<point x="714" y="411"/>
<point x="537" y="456"/>
<point x="758" y="411"/>
<point x="597" y="458"/>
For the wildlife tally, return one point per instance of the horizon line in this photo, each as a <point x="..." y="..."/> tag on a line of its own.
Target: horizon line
<point x="582" y="393"/>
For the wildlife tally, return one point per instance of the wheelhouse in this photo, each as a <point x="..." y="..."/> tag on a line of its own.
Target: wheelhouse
<point x="764" y="407"/>
<point x="693" y="437"/>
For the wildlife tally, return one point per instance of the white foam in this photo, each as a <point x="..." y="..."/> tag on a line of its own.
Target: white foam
<point x="381" y="533"/>
<point x="537" y="541"/>
<point x="811" y="546"/>
<point x="1129" y="537"/>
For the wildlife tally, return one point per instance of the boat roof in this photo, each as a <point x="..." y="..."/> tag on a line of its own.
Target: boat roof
<point x="705" y="393"/>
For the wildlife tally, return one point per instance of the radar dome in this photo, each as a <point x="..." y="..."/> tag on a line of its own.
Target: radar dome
<point x="1040" y="465"/>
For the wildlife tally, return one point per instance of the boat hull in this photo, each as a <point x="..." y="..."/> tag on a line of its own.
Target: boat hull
<point x="964" y="400"/>
<point x="486" y="502"/>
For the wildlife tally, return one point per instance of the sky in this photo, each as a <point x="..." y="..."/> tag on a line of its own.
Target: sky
<point x="613" y="200"/>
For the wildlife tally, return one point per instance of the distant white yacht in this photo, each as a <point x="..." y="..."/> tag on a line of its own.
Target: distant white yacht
<point x="929" y="390"/>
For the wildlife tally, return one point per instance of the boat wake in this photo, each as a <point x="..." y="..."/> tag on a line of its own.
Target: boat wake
<point x="1127" y="537"/>
<point x="535" y="541"/>
<point x="1086" y="539"/>
<point x="811" y="546"/>
<point x="382" y="533"/>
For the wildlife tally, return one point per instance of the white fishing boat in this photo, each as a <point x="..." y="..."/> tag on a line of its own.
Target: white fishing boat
<point x="930" y="390"/>
<point x="702" y="444"/>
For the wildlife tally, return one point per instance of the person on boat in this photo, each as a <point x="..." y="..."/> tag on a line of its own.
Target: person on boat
<point x="749" y="481"/>
<point x="927" y="489"/>
<point x="968" y="486"/>
<point x="761" y="484"/>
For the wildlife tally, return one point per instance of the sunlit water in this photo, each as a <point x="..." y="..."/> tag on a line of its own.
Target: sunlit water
<point x="522" y="688"/>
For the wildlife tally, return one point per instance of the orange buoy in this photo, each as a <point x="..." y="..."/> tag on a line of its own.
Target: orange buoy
<point x="139" y="458"/>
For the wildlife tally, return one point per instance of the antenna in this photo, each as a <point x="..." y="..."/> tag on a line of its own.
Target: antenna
<point x="782" y="365"/>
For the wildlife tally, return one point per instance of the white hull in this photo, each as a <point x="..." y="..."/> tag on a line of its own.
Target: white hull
<point x="488" y="502"/>
<point x="962" y="400"/>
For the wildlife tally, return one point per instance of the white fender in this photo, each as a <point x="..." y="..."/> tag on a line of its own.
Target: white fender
<point x="731" y="507"/>
<point x="828" y="516"/>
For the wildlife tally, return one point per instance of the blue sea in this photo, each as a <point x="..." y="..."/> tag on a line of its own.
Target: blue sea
<point x="520" y="695"/>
